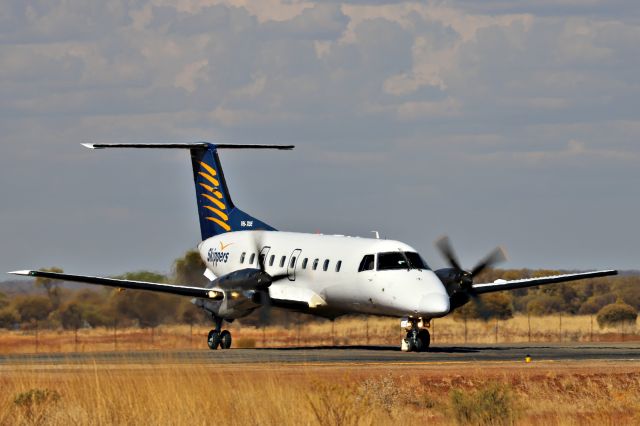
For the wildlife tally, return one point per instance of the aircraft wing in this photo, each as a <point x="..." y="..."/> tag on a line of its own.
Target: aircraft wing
<point x="499" y="285"/>
<point x="181" y="290"/>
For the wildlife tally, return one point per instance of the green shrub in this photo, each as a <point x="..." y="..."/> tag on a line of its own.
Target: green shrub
<point x="493" y="404"/>
<point x="35" y="403"/>
<point x="617" y="313"/>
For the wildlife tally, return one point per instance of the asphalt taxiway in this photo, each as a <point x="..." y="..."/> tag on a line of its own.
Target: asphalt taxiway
<point x="347" y="355"/>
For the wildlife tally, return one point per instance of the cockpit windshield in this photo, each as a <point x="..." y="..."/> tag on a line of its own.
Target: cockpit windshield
<point x="400" y="260"/>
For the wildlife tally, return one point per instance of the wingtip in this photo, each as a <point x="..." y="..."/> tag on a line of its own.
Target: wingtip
<point x="25" y="272"/>
<point x="89" y="145"/>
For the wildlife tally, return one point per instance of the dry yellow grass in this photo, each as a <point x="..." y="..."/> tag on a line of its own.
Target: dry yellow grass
<point x="345" y="331"/>
<point x="163" y="393"/>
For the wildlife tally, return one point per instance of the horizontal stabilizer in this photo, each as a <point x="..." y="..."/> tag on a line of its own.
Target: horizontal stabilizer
<point x="194" y="145"/>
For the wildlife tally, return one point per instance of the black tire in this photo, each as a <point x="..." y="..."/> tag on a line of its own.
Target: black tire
<point x="213" y="340"/>
<point x="423" y="340"/>
<point x="225" y="339"/>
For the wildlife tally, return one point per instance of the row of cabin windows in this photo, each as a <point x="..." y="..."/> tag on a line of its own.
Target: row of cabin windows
<point x="292" y="263"/>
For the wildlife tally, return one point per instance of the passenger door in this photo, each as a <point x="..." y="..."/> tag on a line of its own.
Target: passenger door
<point x="293" y="263"/>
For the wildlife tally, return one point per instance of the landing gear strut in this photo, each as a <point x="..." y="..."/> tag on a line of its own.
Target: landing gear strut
<point x="418" y="338"/>
<point x="219" y="338"/>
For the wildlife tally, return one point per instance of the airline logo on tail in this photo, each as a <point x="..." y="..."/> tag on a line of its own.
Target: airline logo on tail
<point x="214" y="197"/>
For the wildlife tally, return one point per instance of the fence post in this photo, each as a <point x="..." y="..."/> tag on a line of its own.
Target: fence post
<point x="465" y="328"/>
<point x="366" y="321"/>
<point x="560" y="317"/>
<point x="333" y="332"/>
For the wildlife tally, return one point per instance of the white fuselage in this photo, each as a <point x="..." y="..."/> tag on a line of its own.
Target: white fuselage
<point x="325" y="271"/>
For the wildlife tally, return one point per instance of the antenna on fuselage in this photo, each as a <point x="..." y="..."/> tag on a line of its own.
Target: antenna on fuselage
<point x="377" y="234"/>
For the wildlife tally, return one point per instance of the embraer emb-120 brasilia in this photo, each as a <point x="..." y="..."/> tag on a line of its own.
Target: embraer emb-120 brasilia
<point x="251" y="265"/>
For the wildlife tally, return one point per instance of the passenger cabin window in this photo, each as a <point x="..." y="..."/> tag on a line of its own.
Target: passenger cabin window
<point x="326" y="265"/>
<point x="367" y="263"/>
<point x="252" y="258"/>
<point x="338" y="265"/>
<point x="400" y="260"/>
<point x="282" y="260"/>
<point x="292" y="263"/>
<point x="242" y="257"/>
<point x="304" y="263"/>
<point x="273" y="257"/>
<point x="315" y="264"/>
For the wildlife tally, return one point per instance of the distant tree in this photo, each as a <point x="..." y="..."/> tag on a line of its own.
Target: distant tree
<point x="596" y="302"/>
<point x="51" y="286"/>
<point x="4" y="300"/>
<point x="33" y="307"/>
<point x="189" y="313"/>
<point x="8" y="317"/>
<point x="71" y="315"/>
<point x="617" y="313"/>
<point x="628" y="289"/>
<point x="189" y="269"/>
<point x="544" y="304"/>
<point x="146" y="308"/>
<point x="486" y="307"/>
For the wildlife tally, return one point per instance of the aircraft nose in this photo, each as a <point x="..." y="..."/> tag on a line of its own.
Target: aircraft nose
<point x="433" y="305"/>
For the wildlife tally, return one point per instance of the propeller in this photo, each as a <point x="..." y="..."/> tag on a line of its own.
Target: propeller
<point x="263" y="291"/>
<point x="459" y="282"/>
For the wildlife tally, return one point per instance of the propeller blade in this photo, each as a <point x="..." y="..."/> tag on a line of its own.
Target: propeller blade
<point x="265" y="310"/>
<point x="496" y="256"/>
<point x="446" y="249"/>
<point x="278" y="277"/>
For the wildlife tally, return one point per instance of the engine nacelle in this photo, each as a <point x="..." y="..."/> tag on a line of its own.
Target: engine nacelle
<point x="241" y="293"/>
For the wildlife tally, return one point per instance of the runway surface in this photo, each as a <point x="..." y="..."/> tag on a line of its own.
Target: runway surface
<point x="347" y="355"/>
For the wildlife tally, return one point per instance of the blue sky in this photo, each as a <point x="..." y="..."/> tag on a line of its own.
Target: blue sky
<point x="498" y="122"/>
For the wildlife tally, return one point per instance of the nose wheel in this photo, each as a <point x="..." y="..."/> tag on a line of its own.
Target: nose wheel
<point x="418" y="338"/>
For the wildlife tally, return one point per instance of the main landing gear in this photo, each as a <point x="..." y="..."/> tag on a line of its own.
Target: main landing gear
<point x="418" y="338"/>
<point x="219" y="338"/>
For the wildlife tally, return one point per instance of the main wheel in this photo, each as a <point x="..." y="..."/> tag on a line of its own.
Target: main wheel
<point x="225" y="339"/>
<point x="422" y="341"/>
<point x="213" y="340"/>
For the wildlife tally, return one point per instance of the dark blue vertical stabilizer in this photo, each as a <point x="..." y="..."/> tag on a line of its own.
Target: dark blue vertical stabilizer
<point x="216" y="210"/>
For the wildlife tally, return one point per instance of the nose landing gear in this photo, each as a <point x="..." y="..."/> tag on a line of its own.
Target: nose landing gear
<point x="418" y="338"/>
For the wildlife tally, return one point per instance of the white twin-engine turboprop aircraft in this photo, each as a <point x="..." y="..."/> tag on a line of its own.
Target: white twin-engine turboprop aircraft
<point x="251" y="265"/>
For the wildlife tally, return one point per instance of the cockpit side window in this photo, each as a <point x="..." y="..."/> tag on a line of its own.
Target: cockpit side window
<point x="367" y="263"/>
<point x="416" y="261"/>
